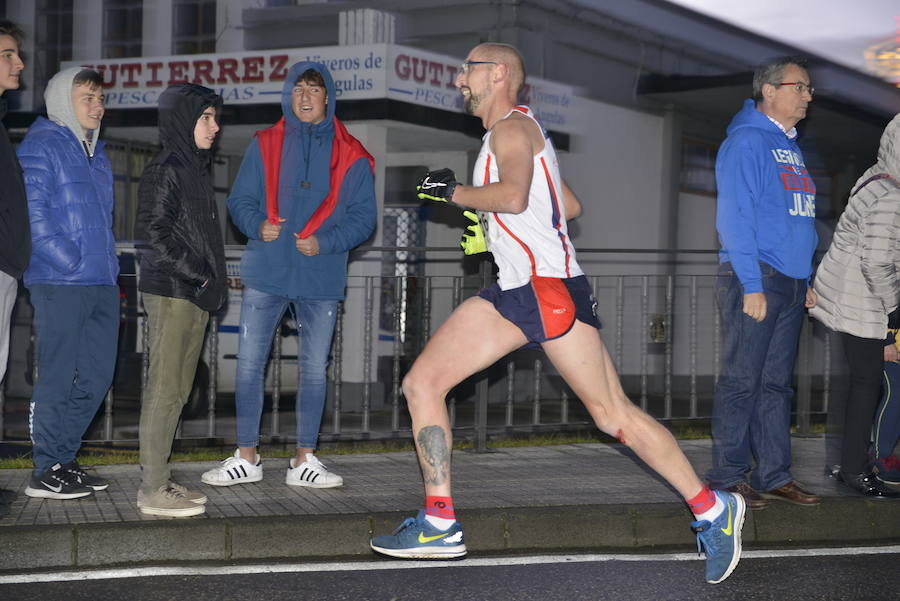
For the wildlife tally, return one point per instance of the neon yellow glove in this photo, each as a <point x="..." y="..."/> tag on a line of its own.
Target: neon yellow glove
<point x="473" y="241"/>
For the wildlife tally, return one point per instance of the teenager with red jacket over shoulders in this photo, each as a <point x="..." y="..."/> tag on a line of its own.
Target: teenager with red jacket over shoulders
<point x="304" y="197"/>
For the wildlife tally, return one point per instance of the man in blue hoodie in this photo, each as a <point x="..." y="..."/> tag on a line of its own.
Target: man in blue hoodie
<point x="304" y="197"/>
<point x="766" y="212"/>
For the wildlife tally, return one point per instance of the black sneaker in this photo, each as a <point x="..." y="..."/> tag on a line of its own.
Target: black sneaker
<point x="867" y="485"/>
<point x="57" y="483"/>
<point x="89" y="480"/>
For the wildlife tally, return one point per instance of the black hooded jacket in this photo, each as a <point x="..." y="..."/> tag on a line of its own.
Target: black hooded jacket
<point x="178" y="232"/>
<point x="15" y="227"/>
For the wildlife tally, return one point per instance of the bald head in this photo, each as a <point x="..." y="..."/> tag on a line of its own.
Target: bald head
<point x="505" y="54"/>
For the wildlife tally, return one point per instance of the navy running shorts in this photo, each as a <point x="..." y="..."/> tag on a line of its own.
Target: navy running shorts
<point x="545" y="308"/>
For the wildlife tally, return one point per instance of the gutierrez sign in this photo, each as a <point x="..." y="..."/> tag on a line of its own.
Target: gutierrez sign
<point x="359" y="72"/>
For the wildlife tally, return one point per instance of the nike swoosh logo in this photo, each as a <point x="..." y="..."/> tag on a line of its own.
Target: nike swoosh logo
<point x="428" y="539"/>
<point x="727" y="531"/>
<point x="427" y="185"/>
<point x="54" y="488"/>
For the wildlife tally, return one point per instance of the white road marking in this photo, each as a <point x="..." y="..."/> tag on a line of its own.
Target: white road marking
<point x="355" y="566"/>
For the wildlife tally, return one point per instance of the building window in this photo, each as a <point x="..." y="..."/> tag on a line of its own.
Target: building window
<point x="122" y="28"/>
<point x="194" y="23"/>
<point x="52" y="41"/>
<point x="698" y="166"/>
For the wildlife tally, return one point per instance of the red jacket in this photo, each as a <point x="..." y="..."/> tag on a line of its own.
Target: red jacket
<point x="345" y="150"/>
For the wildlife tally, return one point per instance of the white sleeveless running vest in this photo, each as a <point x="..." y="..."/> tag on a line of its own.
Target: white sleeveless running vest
<point x="536" y="241"/>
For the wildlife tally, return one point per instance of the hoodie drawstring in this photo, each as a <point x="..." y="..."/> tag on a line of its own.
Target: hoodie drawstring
<point x="307" y="141"/>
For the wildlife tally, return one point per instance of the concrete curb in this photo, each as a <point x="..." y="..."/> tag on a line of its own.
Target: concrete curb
<point x="590" y="528"/>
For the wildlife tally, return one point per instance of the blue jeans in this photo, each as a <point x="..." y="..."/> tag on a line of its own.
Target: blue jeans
<point x="752" y="405"/>
<point x="77" y="330"/>
<point x="261" y="313"/>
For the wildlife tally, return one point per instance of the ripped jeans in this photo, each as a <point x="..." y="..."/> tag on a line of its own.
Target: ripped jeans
<point x="261" y="314"/>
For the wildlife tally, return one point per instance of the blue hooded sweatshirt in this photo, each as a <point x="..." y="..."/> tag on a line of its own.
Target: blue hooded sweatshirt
<point x="277" y="267"/>
<point x="766" y="206"/>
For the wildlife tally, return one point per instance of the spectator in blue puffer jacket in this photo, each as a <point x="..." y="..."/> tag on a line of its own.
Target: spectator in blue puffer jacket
<point x="71" y="277"/>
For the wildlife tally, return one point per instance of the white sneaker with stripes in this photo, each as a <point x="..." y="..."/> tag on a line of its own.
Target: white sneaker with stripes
<point x="311" y="473"/>
<point x="234" y="470"/>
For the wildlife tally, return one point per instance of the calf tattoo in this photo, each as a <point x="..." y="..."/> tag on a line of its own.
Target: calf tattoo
<point x="435" y="454"/>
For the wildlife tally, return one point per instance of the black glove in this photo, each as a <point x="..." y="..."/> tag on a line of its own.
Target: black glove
<point x="894" y="319"/>
<point x="437" y="186"/>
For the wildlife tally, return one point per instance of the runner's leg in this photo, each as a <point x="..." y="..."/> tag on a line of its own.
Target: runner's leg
<point x="583" y="361"/>
<point x="473" y="338"/>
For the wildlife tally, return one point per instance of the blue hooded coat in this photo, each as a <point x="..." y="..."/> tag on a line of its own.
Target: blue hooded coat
<point x="766" y="204"/>
<point x="277" y="267"/>
<point x="69" y="185"/>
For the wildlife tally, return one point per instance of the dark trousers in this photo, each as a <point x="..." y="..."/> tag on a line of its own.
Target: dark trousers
<point x="865" y="360"/>
<point x="886" y="429"/>
<point x="77" y="331"/>
<point x="752" y="404"/>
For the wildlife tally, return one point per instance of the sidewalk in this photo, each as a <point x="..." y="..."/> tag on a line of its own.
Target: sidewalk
<point x="536" y="499"/>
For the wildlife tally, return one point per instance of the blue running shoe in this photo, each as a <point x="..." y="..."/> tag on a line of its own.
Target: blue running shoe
<point x="721" y="538"/>
<point x="416" y="538"/>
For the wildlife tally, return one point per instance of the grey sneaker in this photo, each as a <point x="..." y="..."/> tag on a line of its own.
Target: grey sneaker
<point x="191" y="495"/>
<point x="168" y="502"/>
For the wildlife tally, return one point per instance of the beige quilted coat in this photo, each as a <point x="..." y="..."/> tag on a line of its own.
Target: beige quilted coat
<point x="858" y="281"/>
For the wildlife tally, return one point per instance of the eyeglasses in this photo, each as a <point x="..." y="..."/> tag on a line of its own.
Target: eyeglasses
<point x="800" y="87"/>
<point x="465" y="66"/>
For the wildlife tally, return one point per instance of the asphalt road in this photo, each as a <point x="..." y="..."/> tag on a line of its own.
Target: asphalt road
<point x="564" y="578"/>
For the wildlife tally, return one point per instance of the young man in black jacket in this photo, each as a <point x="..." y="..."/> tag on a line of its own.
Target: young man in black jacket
<point x="182" y="280"/>
<point x="15" y="229"/>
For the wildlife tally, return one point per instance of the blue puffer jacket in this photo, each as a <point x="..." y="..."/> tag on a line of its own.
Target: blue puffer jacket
<point x="70" y="205"/>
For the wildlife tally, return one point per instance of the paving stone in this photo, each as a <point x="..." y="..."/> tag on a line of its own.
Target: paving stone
<point x="569" y="527"/>
<point x="307" y="536"/>
<point x="485" y="529"/>
<point x="836" y="520"/>
<point x="169" y="539"/>
<point x="662" y="525"/>
<point x="27" y="547"/>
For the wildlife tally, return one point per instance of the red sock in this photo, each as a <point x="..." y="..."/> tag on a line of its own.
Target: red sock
<point x="440" y="507"/>
<point x="703" y="502"/>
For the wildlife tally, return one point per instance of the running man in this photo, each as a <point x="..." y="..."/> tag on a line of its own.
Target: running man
<point x="542" y="296"/>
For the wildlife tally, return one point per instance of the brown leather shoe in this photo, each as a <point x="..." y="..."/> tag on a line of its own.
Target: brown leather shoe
<point x="752" y="498"/>
<point x="792" y="493"/>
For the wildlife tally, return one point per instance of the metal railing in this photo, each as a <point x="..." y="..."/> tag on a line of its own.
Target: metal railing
<point x="663" y="332"/>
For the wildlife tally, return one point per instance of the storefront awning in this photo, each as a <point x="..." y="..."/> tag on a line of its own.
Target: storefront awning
<point x="831" y="122"/>
<point x="374" y="82"/>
